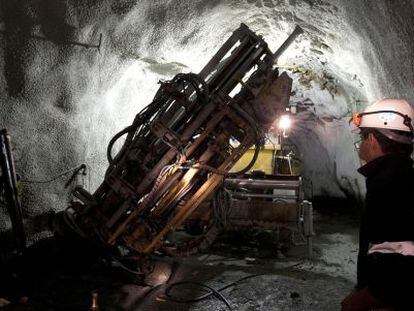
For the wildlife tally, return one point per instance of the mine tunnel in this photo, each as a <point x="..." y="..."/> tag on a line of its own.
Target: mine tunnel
<point x="195" y="155"/>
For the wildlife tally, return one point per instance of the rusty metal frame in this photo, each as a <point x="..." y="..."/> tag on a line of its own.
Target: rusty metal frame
<point x="171" y="162"/>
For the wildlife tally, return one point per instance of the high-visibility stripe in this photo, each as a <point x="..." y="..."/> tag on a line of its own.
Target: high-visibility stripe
<point x="405" y="248"/>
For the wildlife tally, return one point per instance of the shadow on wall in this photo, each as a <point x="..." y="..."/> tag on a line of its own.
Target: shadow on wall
<point x="20" y="18"/>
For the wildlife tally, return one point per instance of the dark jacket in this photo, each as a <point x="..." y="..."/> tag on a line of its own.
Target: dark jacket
<point x="388" y="215"/>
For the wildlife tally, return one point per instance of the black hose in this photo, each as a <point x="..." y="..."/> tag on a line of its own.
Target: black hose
<point x="259" y="140"/>
<point x="115" y="138"/>
<point x="76" y="168"/>
<point x="157" y="106"/>
<point x="215" y="292"/>
<point x="195" y="81"/>
<point x="250" y="165"/>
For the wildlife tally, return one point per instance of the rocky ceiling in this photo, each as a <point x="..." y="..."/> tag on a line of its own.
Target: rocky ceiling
<point x="62" y="101"/>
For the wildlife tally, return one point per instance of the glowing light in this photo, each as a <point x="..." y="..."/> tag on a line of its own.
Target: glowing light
<point x="284" y="122"/>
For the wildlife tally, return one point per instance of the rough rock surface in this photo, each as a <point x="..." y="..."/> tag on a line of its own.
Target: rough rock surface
<point x="62" y="102"/>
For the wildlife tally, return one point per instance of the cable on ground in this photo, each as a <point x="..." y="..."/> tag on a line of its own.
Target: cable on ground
<point x="212" y="291"/>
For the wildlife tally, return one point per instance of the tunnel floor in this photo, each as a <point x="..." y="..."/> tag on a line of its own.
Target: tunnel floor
<point x="243" y="272"/>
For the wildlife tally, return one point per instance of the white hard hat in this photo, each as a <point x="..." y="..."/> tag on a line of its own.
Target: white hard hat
<point x="387" y="116"/>
<point x="392" y="114"/>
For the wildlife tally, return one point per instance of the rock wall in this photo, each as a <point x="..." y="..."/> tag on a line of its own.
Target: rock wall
<point x="62" y="102"/>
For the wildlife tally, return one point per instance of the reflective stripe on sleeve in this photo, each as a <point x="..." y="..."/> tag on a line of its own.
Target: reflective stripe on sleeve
<point x="405" y="248"/>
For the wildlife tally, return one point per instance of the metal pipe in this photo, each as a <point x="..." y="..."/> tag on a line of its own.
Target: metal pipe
<point x="262" y="183"/>
<point x="296" y="32"/>
<point x="260" y="195"/>
<point x="8" y="178"/>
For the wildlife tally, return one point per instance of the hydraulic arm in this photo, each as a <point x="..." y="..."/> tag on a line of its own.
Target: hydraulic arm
<point x="180" y="147"/>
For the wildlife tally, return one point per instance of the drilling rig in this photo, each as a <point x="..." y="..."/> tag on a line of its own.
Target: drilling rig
<point x="181" y="147"/>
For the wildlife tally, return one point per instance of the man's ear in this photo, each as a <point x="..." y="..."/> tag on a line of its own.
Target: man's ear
<point x="374" y="143"/>
<point x="371" y="137"/>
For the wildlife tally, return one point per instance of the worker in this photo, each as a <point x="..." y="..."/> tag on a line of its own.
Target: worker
<point x="385" y="268"/>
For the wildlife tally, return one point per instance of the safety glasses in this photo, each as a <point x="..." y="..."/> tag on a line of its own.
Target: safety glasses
<point x="357" y="144"/>
<point x="362" y="136"/>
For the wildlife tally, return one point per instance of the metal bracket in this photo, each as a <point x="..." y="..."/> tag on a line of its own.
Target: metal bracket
<point x="9" y="181"/>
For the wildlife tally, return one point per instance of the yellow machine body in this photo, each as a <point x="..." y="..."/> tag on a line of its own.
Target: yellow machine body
<point x="270" y="161"/>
